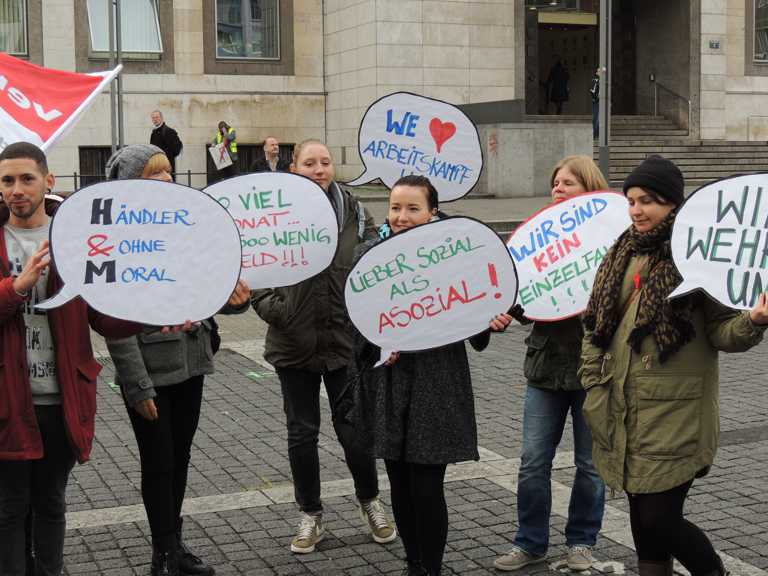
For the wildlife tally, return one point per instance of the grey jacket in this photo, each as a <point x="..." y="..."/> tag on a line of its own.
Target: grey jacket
<point x="152" y="359"/>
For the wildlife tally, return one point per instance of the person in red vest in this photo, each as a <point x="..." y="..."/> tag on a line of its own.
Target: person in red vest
<point x="48" y="379"/>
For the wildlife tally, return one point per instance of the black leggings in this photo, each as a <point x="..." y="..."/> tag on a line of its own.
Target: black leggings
<point x="660" y="532"/>
<point x="164" y="449"/>
<point x="421" y="514"/>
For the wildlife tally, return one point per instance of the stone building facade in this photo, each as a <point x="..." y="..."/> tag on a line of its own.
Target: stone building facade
<point x="315" y="67"/>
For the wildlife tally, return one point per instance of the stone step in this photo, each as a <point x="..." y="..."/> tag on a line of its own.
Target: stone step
<point x="693" y="153"/>
<point x="691" y="184"/>
<point x="692" y="142"/>
<point x="754" y="164"/>
<point x="649" y="131"/>
<point x="657" y="134"/>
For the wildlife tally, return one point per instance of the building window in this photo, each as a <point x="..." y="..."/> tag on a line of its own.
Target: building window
<point x="761" y="32"/>
<point x="139" y="26"/>
<point x="13" y="27"/>
<point x="93" y="163"/>
<point x="248" y="29"/>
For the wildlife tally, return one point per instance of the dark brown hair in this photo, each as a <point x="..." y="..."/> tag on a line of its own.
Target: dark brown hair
<point x="420" y="182"/>
<point x="26" y="150"/>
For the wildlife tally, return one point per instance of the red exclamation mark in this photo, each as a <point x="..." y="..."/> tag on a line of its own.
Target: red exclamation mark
<point x="494" y="279"/>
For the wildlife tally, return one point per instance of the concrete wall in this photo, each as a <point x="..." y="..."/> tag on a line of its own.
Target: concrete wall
<point x="460" y="52"/>
<point x="740" y="95"/>
<point x="289" y="107"/>
<point x="519" y="157"/>
<point x="663" y="47"/>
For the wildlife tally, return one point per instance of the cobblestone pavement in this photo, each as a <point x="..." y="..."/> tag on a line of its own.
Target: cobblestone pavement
<point x="240" y="511"/>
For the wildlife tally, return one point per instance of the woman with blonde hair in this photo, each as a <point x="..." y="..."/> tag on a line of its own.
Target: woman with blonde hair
<point x="553" y="390"/>
<point x="161" y="376"/>
<point x="309" y="340"/>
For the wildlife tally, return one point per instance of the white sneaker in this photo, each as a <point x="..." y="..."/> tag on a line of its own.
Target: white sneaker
<point x="381" y="528"/>
<point x="580" y="558"/>
<point x="516" y="559"/>
<point x="310" y="532"/>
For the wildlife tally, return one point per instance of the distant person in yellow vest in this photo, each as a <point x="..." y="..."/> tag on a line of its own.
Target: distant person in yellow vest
<point x="227" y="135"/>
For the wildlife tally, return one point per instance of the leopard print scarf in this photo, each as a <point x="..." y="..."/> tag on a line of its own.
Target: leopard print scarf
<point x="670" y="322"/>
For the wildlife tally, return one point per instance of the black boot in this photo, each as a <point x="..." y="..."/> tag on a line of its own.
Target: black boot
<point x="189" y="564"/>
<point x="414" y="569"/>
<point x="165" y="562"/>
<point x="720" y="570"/>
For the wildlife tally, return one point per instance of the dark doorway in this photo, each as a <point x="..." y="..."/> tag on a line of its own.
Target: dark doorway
<point x="650" y="39"/>
<point x="561" y="55"/>
<point x="624" y="58"/>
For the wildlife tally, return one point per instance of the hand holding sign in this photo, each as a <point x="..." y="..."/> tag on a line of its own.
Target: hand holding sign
<point x="759" y="314"/>
<point x="431" y="285"/>
<point x="720" y="241"/>
<point x="558" y="250"/>
<point x="32" y="270"/>
<point x="145" y="250"/>
<point x="405" y="134"/>
<point x="288" y="228"/>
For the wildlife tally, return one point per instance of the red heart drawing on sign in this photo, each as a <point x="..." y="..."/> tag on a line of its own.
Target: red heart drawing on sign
<point x="441" y="131"/>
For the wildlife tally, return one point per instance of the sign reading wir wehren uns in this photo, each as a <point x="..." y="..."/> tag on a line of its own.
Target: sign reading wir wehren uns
<point x="431" y="285"/>
<point x="720" y="241"/>
<point x="144" y="250"/>
<point x="557" y="252"/>
<point x="287" y="225"/>
<point x="404" y="134"/>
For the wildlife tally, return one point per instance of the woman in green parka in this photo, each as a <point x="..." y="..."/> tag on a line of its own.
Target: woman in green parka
<point x="650" y="368"/>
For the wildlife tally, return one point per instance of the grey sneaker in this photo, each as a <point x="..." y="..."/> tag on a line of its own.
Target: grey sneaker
<point x="516" y="559"/>
<point x="310" y="532"/>
<point x="580" y="558"/>
<point x="373" y="514"/>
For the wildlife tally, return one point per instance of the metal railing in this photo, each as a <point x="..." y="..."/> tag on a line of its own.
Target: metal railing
<point x="668" y="103"/>
<point x="78" y="180"/>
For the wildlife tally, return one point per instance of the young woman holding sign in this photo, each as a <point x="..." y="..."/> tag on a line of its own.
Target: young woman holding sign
<point x="553" y="390"/>
<point x="308" y="341"/>
<point x="650" y="368"/>
<point x="418" y="407"/>
<point x="161" y="378"/>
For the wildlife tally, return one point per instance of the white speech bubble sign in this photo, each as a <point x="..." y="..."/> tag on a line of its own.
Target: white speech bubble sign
<point x="288" y="228"/>
<point x="431" y="285"/>
<point x="404" y="133"/>
<point x="720" y="241"/>
<point x="144" y="250"/>
<point x="557" y="252"/>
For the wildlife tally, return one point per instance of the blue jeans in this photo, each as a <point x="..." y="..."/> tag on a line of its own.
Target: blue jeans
<point x="543" y="423"/>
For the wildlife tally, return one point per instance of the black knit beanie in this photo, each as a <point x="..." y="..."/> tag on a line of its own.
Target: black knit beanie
<point x="661" y="176"/>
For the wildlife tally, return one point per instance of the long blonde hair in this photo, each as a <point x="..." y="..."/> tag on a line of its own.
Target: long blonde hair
<point x="584" y="169"/>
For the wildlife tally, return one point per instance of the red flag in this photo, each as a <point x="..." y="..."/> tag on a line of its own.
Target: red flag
<point x="39" y="105"/>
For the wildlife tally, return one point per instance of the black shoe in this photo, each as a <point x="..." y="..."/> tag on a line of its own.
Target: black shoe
<point x="412" y="569"/>
<point x="164" y="563"/>
<point x="191" y="565"/>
